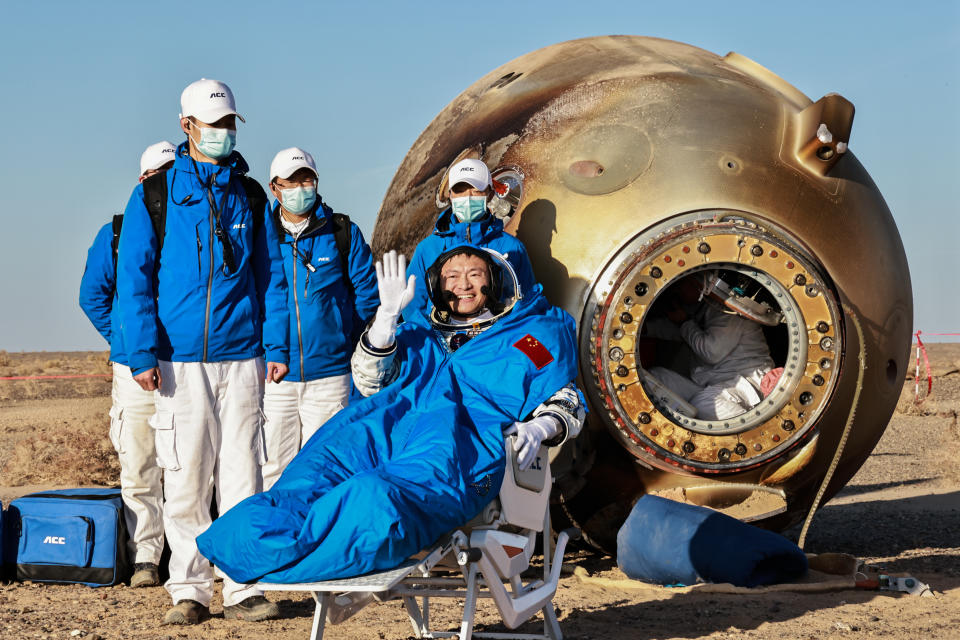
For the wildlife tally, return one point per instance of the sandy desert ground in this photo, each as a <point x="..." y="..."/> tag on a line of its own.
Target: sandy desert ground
<point x="901" y="512"/>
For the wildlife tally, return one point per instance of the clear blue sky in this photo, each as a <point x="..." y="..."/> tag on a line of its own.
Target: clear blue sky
<point x="86" y="86"/>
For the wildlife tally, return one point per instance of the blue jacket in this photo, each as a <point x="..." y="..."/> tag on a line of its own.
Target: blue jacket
<point x="182" y="305"/>
<point x="98" y="292"/>
<point x="325" y="317"/>
<point x="388" y="475"/>
<point x="450" y="233"/>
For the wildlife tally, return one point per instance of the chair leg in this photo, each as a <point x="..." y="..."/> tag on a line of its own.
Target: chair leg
<point x="319" y="614"/>
<point x="415" y="615"/>
<point x="469" y="604"/>
<point x="426" y="614"/>
<point x="547" y="537"/>
<point x="551" y="627"/>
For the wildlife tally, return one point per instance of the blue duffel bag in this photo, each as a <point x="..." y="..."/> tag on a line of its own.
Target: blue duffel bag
<point x="667" y="542"/>
<point x="69" y="536"/>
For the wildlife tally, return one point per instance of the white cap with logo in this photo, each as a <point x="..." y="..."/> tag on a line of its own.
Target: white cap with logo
<point x="208" y="101"/>
<point x="288" y="161"/>
<point x="470" y="170"/>
<point x="157" y="155"/>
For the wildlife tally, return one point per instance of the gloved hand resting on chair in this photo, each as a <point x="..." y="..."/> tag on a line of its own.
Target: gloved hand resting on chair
<point x="530" y="435"/>
<point x="396" y="292"/>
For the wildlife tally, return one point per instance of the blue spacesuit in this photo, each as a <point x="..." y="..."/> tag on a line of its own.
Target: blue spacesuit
<point x="395" y="471"/>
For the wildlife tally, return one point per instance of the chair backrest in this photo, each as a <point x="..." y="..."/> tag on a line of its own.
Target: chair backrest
<point x="525" y="495"/>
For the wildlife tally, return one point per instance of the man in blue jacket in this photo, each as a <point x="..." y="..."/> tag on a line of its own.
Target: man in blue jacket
<point x="332" y="291"/>
<point x="132" y="437"/>
<point x="202" y="296"/>
<point x="467" y="221"/>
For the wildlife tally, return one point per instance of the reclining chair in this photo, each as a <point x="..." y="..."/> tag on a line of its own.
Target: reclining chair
<point x="490" y="552"/>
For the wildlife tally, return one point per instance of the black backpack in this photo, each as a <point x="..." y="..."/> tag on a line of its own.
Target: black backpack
<point x="342" y="236"/>
<point x="115" y="243"/>
<point x="155" y="198"/>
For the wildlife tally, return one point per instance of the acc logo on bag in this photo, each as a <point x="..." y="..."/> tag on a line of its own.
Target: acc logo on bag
<point x="54" y="540"/>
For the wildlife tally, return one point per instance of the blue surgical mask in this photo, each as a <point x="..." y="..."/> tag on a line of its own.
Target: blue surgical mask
<point x="298" y="200"/>
<point x="215" y="143"/>
<point x="469" y="208"/>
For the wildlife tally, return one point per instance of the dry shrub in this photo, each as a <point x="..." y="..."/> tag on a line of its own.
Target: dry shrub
<point x="939" y="403"/>
<point x="51" y="364"/>
<point x="4" y="358"/>
<point x="73" y="457"/>
<point x="51" y="389"/>
<point x="907" y="404"/>
<point x="909" y="407"/>
<point x="97" y="362"/>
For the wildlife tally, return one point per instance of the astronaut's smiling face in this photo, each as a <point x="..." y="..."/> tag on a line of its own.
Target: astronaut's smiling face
<point x="465" y="276"/>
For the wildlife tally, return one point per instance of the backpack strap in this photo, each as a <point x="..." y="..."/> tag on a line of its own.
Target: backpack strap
<point x="155" y="199"/>
<point x="342" y="236"/>
<point x="257" y="199"/>
<point x="115" y="243"/>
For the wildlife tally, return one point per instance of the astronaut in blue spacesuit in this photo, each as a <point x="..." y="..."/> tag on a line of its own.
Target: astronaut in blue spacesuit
<point x="425" y="452"/>
<point x="460" y="287"/>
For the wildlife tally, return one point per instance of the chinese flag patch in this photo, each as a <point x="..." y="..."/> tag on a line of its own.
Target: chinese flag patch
<point x="533" y="349"/>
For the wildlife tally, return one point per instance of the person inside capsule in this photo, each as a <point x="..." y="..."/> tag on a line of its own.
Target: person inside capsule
<point x="425" y="451"/>
<point x="727" y="368"/>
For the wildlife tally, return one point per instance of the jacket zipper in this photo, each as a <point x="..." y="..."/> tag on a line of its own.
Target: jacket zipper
<point x="199" y="256"/>
<point x="206" y="316"/>
<point x="296" y="304"/>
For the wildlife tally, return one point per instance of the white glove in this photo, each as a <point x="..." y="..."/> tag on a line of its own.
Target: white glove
<point x="530" y="435"/>
<point x="396" y="292"/>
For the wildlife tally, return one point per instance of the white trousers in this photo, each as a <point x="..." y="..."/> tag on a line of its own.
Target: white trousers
<point x="140" y="477"/>
<point x="294" y="411"/>
<point x="208" y="423"/>
<point x="720" y="401"/>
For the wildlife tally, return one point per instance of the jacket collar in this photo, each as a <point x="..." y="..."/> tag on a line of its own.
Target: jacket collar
<point x="474" y="232"/>
<point x="318" y="219"/>
<point x="189" y="176"/>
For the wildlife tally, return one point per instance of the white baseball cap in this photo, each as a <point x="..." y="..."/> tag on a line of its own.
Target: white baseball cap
<point x="286" y="163"/>
<point x="208" y="101"/>
<point x="470" y="170"/>
<point x="157" y="155"/>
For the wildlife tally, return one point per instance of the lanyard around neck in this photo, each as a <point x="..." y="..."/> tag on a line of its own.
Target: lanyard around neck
<point x="229" y="264"/>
